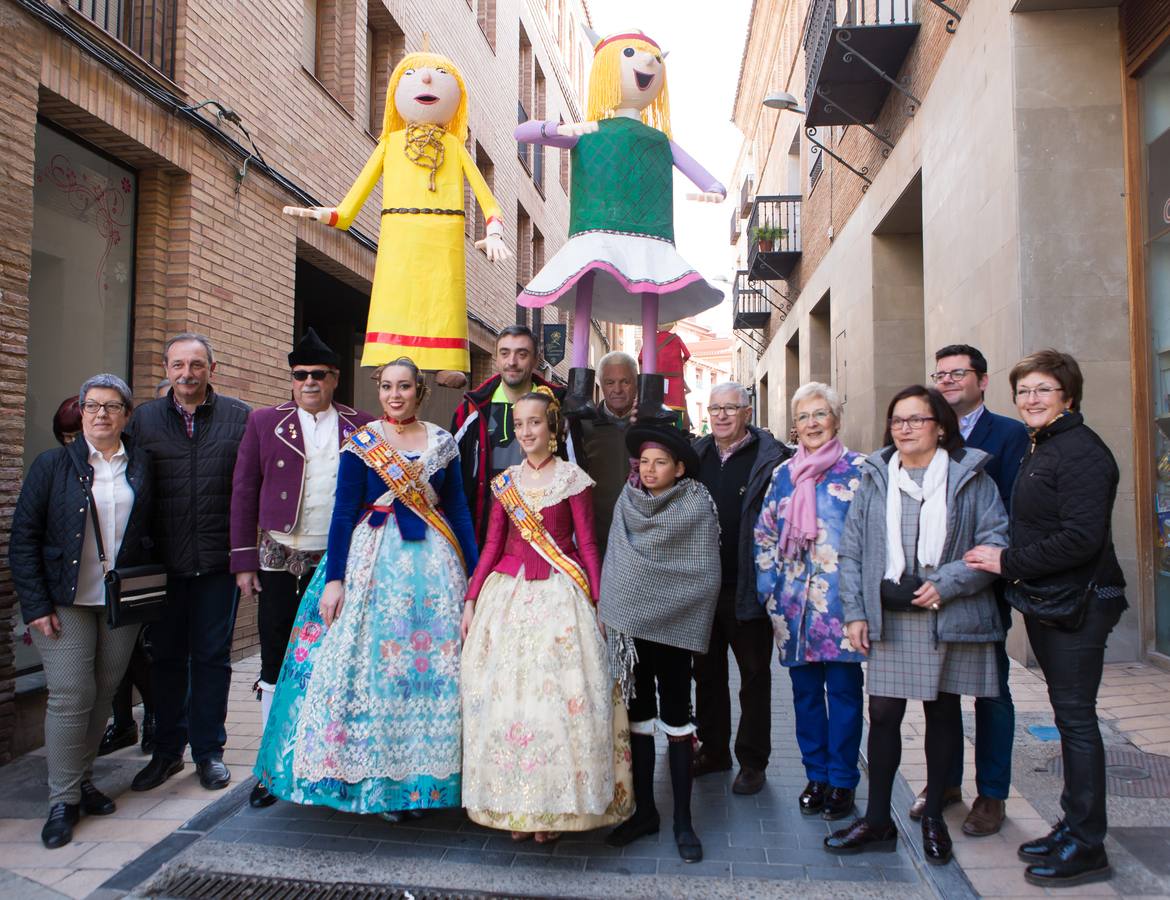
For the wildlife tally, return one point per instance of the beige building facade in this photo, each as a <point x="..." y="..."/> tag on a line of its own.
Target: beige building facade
<point x="986" y="192"/>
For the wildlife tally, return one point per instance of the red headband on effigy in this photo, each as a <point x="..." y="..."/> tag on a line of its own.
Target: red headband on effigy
<point x="635" y="35"/>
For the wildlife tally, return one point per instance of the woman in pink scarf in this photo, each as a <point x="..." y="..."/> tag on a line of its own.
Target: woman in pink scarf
<point x="796" y="540"/>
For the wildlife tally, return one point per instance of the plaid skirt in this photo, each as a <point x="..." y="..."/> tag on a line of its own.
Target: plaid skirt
<point x="907" y="662"/>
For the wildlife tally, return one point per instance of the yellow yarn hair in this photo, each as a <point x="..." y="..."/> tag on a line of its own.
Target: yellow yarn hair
<point x="605" y="85"/>
<point x="392" y="121"/>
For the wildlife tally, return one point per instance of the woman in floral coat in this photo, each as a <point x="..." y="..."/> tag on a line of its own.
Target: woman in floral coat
<point x="796" y="540"/>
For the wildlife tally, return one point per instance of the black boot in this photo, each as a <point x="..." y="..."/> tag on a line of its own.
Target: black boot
<point x="645" y="818"/>
<point x="650" y="409"/>
<point x="680" y="753"/>
<point x="579" y="399"/>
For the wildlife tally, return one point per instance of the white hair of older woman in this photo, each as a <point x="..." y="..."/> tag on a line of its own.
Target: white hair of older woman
<point x="818" y="389"/>
<point x="618" y="358"/>
<point x="742" y="397"/>
<point x="106" y="380"/>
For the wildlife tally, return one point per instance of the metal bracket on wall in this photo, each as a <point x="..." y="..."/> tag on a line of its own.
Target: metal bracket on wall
<point x="954" y="16"/>
<point x="831" y="104"/>
<point x="752" y="342"/>
<point x="862" y="173"/>
<point x="843" y="37"/>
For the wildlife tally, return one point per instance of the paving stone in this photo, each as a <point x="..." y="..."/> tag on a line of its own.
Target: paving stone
<point x="764" y="870"/>
<point x="708" y="868"/>
<point x="478" y="857"/>
<point x="410" y="851"/>
<point x="291" y="839"/>
<point x="842" y="873"/>
<point x="459" y="839"/>
<point x="336" y="844"/>
<point x="550" y="863"/>
<point x="624" y="866"/>
<point x="733" y="854"/>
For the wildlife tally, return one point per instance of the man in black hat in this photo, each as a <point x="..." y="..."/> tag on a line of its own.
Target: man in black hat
<point x="282" y="502"/>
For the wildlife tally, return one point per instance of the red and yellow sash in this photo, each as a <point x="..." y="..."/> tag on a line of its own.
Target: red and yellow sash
<point x="402" y="477"/>
<point x="531" y="526"/>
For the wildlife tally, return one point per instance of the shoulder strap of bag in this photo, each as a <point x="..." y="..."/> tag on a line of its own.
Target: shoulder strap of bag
<point x="97" y="528"/>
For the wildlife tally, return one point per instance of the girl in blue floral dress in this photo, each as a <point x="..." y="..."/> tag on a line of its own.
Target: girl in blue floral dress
<point x="366" y="716"/>
<point x="796" y="540"/>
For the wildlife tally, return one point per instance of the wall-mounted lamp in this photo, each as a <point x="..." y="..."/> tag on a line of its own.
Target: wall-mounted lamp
<point x="783" y="101"/>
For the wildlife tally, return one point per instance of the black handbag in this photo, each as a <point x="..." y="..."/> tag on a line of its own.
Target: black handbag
<point x="135" y="595"/>
<point x="1061" y="606"/>
<point x="898" y="596"/>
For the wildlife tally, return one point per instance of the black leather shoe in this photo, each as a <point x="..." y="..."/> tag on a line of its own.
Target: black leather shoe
<point x="812" y="798"/>
<point x="861" y="837"/>
<point x="706" y="762"/>
<point x="94" y="802"/>
<point x="260" y="797"/>
<point x="632" y="829"/>
<point x="748" y="781"/>
<point x="838" y="804"/>
<point x="213" y="774"/>
<point x="148" y="733"/>
<point x="116" y="738"/>
<point x="936" y="841"/>
<point x="690" y="848"/>
<point x="159" y="769"/>
<point x="1070" y="863"/>
<point x="1037" y="850"/>
<point x="58" y="830"/>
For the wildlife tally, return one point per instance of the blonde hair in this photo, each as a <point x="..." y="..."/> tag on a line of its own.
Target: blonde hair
<point x="393" y="121"/>
<point x="605" y="85"/>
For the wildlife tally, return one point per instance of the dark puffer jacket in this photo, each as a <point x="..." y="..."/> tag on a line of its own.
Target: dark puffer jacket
<point x="1061" y="507"/>
<point x="192" y="479"/>
<point x="52" y="516"/>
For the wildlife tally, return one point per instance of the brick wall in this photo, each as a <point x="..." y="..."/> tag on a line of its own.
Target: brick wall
<point x="214" y="253"/>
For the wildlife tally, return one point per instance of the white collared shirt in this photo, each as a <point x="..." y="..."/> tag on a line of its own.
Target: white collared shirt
<point x="318" y="430"/>
<point x="322" y="455"/>
<point x="967" y="422"/>
<point x="113" y="498"/>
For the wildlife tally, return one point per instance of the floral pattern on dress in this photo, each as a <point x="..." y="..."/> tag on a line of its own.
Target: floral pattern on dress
<point x="802" y="596"/>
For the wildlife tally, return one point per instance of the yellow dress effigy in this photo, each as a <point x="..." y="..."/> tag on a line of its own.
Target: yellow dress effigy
<point x="418" y="305"/>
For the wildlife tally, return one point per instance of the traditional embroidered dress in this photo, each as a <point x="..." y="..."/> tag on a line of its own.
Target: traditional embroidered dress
<point x="621" y="226"/>
<point x="367" y="713"/>
<point x="545" y="736"/>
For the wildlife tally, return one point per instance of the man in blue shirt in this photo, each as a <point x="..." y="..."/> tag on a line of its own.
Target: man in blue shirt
<point x="960" y="374"/>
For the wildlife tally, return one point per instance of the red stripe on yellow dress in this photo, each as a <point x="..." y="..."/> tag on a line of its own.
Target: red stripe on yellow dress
<point x="402" y="477"/>
<point x="413" y="340"/>
<point x="530" y="523"/>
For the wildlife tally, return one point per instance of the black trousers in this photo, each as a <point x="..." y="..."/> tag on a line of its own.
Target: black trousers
<point x="1072" y="662"/>
<point x="137" y="676"/>
<point x="276" y="611"/>
<point x="666" y="672"/>
<point x="751" y="643"/>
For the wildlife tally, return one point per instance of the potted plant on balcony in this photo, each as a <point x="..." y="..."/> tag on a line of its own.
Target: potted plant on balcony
<point x="768" y="237"/>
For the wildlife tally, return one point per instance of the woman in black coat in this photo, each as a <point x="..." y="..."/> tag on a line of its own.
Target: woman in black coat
<point x="1062" y="505"/>
<point x="59" y="580"/>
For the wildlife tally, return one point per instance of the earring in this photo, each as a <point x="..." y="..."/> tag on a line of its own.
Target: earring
<point x="552" y="443"/>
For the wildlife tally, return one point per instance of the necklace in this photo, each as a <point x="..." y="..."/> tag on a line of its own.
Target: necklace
<point x="548" y="459"/>
<point x="400" y="425"/>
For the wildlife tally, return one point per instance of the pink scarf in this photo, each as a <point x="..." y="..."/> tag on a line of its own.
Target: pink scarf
<point x="800" y="514"/>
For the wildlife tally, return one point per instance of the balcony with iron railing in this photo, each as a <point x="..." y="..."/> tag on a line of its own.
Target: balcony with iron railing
<point x="753" y="304"/>
<point x="853" y="63"/>
<point x="736" y="230"/>
<point x="146" y="27"/>
<point x="747" y="194"/>
<point x="774" y="237"/>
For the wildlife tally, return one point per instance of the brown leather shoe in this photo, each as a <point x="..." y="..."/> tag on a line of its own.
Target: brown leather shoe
<point x="951" y="796"/>
<point x="706" y="761"/>
<point x="748" y="781"/>
<point x="985" y="817"/>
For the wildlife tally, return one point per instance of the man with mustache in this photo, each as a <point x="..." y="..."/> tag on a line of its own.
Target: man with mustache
<point x="483" y="426"/>
<point x="282" y="501"/>
<point x="191" y="435"/>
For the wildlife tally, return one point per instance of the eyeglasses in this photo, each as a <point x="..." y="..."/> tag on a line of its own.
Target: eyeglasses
<point x="93" y="407"/>
<point x="318" y="374"/>
<point x="950" y="375"/>
<point x="1040" y="393"/>
<point x="897" y="423"/>
<point x="728" y="409"/>
<point x="820" y="415"/>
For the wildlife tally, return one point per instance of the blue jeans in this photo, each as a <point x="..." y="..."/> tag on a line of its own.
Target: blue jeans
<point x="829" y="736"/>
<point x="192" y="669"/>
<point x="995" y="730"/>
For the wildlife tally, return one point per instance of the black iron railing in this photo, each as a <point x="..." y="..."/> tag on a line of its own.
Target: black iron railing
<point x="147" y="27"/>
<point x="753" y="304"/>
<point x="774" y="226"/>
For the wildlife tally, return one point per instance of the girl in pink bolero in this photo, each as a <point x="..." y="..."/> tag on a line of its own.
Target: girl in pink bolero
<point x="546" y="744"/>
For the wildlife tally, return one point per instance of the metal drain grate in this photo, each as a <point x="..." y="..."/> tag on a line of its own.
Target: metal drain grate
<point x="188" y="884"/>
<point x="1130" y="773"/>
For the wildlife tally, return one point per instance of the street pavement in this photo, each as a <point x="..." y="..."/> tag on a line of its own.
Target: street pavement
<point x="754" y="846"/>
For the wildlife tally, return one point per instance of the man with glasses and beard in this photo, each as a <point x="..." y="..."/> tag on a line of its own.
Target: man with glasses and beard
<point x="192" y="435"/>
<point x="282" y="502"/>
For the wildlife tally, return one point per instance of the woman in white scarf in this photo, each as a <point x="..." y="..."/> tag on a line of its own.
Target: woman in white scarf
<point x="926" y="621"/>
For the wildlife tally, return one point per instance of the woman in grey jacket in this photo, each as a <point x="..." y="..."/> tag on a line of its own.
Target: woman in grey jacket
<point x="926" y="620"/>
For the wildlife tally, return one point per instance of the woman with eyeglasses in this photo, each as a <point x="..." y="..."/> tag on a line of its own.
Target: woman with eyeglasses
<point x="99" y="479"/>
<point x="1061" y="543"/>
<point x="926" y="620"/>
<point x="797" y="543"/>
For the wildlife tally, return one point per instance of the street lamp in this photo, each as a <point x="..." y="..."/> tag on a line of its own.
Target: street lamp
<point x="783" y="101"/>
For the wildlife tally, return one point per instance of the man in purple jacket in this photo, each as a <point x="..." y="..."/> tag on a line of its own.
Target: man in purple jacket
<point x="282" y="502"/>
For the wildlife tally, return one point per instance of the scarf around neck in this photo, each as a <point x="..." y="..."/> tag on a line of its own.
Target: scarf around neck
<point x="932" y="516"/>
<point x="800" y="514"/>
